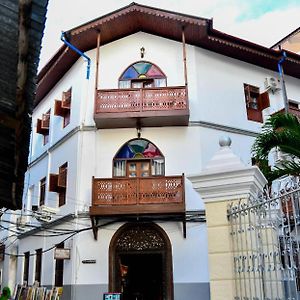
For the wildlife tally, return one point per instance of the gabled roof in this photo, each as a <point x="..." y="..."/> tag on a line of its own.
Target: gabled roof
<point x="135" y="17"/>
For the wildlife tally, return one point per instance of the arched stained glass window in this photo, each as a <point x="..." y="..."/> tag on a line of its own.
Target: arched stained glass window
<point x="139" y="158"/>
<point x="142" y="74"/>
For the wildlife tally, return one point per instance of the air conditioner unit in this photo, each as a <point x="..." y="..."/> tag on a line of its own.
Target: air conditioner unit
<point x="21" y="222"/>
<point x="272" y="83"/>
<point x="43" y="217"/>
<point x="48" y="210"/>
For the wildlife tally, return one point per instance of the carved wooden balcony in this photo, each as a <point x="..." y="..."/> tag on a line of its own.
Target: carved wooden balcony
<point x="291" y="110"/>
<point x="166" y="106"/>
<point x="143" y="196"/>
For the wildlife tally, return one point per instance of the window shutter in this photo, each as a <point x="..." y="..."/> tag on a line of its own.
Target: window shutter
<point x="263" y="101"/>
<point x="66" y="99"/>
<point x="39" y="126"/>
<point x="58" y="109"/>
<point x="62" y="176"/>
<point x="53" y="180"/>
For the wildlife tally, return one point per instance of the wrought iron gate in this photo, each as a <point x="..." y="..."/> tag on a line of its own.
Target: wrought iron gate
<point x="265" y="238"/>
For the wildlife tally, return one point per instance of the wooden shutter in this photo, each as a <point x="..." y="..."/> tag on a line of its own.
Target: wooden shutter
<point x="66" y="99"/>
<point x="263" y="101"/>
<point x="58" y="111"/>
<point x="62" y="176"/>
<point x="53" y="180"/>
<point x="45" y="121"/>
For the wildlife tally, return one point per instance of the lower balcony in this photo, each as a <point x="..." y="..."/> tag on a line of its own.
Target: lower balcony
<point x="164" y="106"/>
<point x="138" y="196"/>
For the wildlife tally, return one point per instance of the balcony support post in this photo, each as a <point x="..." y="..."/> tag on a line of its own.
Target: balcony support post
<point x="184" y="57"/>
<point x="184" y="226"/>
<point x="97" y="60"/>
<point x="94" y="228"/>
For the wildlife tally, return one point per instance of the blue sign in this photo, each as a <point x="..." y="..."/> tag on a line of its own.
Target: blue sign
<point x="112" y="296"/>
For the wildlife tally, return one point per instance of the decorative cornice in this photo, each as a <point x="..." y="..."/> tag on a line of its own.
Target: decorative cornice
<point x="230" y="185"/>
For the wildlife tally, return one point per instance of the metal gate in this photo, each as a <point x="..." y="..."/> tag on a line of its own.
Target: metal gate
<point x="265" y="238"/>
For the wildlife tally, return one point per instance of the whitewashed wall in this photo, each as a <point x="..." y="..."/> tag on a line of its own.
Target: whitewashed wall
<point x="216" y="96"/>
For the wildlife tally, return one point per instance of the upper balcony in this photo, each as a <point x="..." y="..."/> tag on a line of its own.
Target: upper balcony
<point x="159" y="106"/>
<point x="138" y="196"/>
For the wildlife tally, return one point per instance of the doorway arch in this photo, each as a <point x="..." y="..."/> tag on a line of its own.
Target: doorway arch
<point x="140" y="262"/>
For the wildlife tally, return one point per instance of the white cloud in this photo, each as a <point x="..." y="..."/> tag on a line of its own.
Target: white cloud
<point x="266" y="30"/>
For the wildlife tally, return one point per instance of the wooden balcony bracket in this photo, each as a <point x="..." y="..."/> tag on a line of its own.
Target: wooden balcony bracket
<point x="94" y="227"/>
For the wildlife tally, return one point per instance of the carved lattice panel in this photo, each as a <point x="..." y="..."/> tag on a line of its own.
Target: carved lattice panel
<point x="118" y="101"/>
<point x="139" y="238"/>
<point x="165" y="99"/>
<point x="131" y="191"/>
<point x="161" y="190"/>
<point x="133" y="100"/>
<point x="115" y="192"/>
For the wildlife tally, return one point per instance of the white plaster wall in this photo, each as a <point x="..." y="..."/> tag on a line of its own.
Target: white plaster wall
<point x="74" y="78"/>
<point x="67" y="152"/>
<point x="190" y="260"/>
<point x="215" y="82"/>
<point x="216" y="95"/>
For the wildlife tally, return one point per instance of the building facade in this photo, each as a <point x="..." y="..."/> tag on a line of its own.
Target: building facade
<point x="107" y="184"/>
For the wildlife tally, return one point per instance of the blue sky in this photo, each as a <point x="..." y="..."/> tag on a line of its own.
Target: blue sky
<point x="254" y="9"/>
<point x="262" y="22"/>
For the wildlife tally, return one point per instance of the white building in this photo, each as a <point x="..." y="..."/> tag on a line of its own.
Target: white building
<point x="108" y="152"/>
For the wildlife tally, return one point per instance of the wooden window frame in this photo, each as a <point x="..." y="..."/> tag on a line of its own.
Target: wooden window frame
<point x="38" y="265"/>
<point x="58" y="183"/>
<point x="42" y="191"/>
<point x="256" y="102"/>
<point x="62" y="107"/>
<point x="2" y="252"/>
<point x="26" y="266"/>
<point x="43" y="126"/>
<point x="59" y="269"/>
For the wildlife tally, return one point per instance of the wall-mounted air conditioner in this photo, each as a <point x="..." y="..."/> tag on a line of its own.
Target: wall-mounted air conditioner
<point x="21" y="222"/>
<point x="48" y="210"/>
<point x="272" y="84"/>
<point x="45" y="213"/>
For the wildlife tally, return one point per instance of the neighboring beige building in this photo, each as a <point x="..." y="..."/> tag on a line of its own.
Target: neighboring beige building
<point x="291" y="42"/>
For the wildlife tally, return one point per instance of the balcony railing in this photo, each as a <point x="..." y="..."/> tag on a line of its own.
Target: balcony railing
<point x="147" y="195"/>
<point x="291" y="110"/>
<point x="158" y="106"/>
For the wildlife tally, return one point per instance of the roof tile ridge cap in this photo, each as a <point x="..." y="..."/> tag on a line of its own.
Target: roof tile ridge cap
<point x="169" y="14"/>
<point x="244" y="47"/>
<point x="217" y="34"/>
<point x="102" y="20"/>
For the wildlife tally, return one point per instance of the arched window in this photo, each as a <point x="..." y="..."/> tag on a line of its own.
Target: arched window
<point x="138" y="158"/>
<point x="142" y="74"/>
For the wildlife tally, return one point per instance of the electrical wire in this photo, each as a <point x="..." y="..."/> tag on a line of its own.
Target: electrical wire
<point x="54" y="246"/>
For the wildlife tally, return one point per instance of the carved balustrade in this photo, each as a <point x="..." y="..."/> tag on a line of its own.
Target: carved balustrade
<point x="139" y="100"/>
<point x="138" y="191"/>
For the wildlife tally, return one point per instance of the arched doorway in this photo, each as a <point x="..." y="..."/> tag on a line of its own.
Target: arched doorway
<point x="140" y="263"/>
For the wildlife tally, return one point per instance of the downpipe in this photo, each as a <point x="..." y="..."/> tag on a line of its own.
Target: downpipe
<point x="86" y="58"/>
<point x="280" y="70"/>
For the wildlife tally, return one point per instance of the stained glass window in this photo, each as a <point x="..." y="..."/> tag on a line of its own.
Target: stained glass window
<point x="139" y="149"/>
<point x="140" y="71"/>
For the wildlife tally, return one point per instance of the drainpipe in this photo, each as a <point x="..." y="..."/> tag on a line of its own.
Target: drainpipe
<point x="64" y="39"/>
<point x="280" y="70"/>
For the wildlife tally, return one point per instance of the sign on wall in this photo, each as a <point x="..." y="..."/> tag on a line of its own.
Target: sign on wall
<point x="112" y="296"/>
<point x="61" y="253"/>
